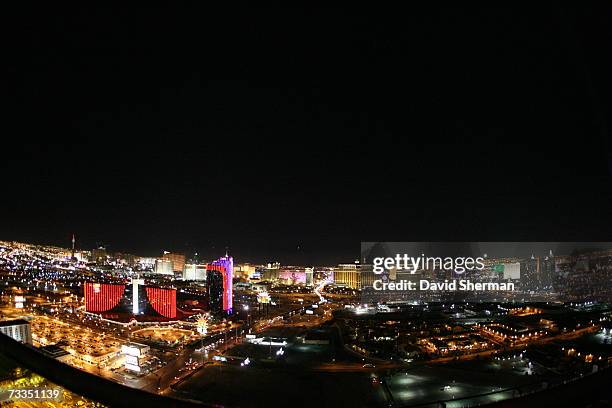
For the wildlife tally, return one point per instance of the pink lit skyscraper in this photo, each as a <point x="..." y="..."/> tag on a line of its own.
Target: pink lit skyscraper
<point x="224" y="265"/>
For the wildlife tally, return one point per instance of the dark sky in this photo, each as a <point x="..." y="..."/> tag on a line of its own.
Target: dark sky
<point x="126" y="127"/>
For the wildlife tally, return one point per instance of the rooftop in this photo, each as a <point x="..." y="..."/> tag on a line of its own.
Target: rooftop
<point x="7" y="323"/>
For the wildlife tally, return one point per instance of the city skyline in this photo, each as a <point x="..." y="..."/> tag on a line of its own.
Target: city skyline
<point x="499" y="249"/>
<point x="123" y="147"/>
<point x="119" y="329"/>
<point x="306" y="207"/>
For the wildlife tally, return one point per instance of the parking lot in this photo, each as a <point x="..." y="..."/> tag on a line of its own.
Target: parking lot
<point x="82" y="343"/>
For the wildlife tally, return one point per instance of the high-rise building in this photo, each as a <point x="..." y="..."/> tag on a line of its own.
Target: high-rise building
<point x="584" y="276"/>
<point x="163" y="301"/>
<point x="178" y="260"/>
<point x="510" y="270"/>
<point x="19" y="330"/>
<point x="126" y="259"/>
<point x="537" y="273"/>
<point x="348" y="275"/>
<point x="98" y="254"/>
<point x="244" y="271"/>
<point x="368" y="276"/>
<point x="214" y="286"/>
<point x="270" y="272"/>
<point x="136" y="299"/>
<point x="101" y="297"/>
<point x="547" y="271"/>
<point x="219" y="283"/>
<point x="193" y="271"/>
<point x="146" y="263"/>
<point x="164" y="266"/>
<point x="309" y="276"/>
<point x="292" y="275"/>
<point x="323" y="274"/>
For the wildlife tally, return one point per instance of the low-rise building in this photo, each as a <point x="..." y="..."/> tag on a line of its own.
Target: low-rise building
<point x="18" y="329"/>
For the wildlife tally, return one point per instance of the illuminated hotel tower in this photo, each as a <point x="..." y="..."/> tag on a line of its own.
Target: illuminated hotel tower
<point x="135" y="303"/>
<point x="144" y="300"/>
<point x="219" y="283"/>
<point x="102" y="297"/>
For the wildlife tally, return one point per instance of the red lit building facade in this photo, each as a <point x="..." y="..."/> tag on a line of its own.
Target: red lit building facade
<point x="163" y="301"/>
<point x="101" y="297"/>
<point x="104" y="297"/>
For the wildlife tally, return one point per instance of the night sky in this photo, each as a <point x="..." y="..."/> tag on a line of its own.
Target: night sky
<point x="121" y="125"/>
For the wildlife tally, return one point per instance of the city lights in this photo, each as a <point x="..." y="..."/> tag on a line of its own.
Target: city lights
<point x="87" y="321"/>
